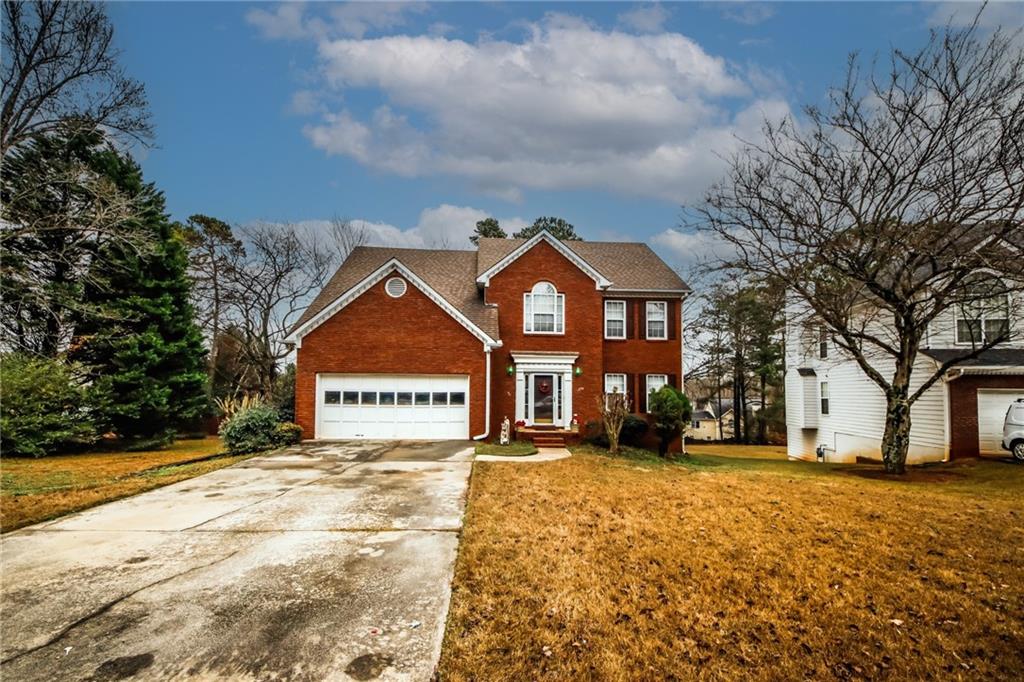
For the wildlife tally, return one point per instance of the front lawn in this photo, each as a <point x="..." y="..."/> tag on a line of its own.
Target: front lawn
<point x="630" y="568"/>
<point x="517" y="448"/>
<point x="34" y="490"/>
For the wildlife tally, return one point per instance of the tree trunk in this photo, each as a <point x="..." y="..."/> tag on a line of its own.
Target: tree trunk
<point x="896" y="439"/>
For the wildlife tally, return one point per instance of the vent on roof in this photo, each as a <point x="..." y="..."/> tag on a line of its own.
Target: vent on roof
<point x="395" y="287"/>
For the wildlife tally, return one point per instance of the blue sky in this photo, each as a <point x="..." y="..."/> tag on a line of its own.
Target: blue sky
<point x="421" y="118"/>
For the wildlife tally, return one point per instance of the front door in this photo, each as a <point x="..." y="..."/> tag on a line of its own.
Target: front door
<point x="543" y="398"/>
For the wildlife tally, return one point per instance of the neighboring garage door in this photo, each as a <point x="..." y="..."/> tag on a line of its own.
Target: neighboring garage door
<point x="992" y="407"/>
<point x="392" y="406"/>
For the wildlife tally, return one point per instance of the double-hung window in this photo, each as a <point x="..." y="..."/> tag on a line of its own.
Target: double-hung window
<point x="985" y="316"/>
<point x="657" y="320"/>
<point x="824" y="397"/>
<point x="822" y="342"/>
<point x="544" y="310"/>
<point x="654" y="383"/>
<point x="614" y="319"/>
<point x="615" y="383"/>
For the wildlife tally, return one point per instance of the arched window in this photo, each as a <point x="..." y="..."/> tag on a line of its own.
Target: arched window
<point x="983" y="316"/>
<point x="544" y="310"/>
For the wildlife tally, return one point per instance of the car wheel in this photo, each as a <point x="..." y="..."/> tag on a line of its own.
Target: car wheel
<point x="1018" y="451"/>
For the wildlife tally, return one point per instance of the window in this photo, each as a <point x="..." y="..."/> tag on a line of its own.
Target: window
<point x="615" y="383"/>
<point x="422" y="398"/>
<point x="332" y="397"/>
<point x="822" y="341"/>
<point x="441" y="398"/>
<point x="387" y="398"/>
<point x="824" y="397"/>
<point x="544" y="310"/>
<point x="350" y="398"/>
<point x="614" y="319"/>
<point x="657" y="320"/>
<point x="654" y="383"/>
<point x="368" y="398"/>
<point x="984" y="316"/>
<point x="458" y="398"/>
<point x="405" y="398"/>
<point x="696" y="424"/>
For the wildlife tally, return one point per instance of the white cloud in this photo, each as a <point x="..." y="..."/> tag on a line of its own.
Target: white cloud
<point x="1009" y="15"/>
<point x="747" y="13"/>
<point x="289" y="20"/>
<point x="286" y="22"/>
<point x="304" y="103"/>
<point x="645" y="18"/>
<point x="444" y="226"/>
<point x="689" y="249"/>
<point x="570" y="106"/>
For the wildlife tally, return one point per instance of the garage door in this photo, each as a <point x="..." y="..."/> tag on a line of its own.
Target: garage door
<point x="992" y="407"/>
<point x="392" y="406"/>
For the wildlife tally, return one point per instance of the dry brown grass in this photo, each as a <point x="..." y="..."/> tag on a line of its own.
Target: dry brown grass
<point x="730" y="450"/>
<point x="35" y="490"/>
<point x="595" y="568"/>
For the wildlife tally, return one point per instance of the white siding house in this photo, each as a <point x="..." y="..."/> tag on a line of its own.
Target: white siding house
<point x="831" y="403"/>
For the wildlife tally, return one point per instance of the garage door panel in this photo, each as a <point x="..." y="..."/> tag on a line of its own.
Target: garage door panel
<point x="992" y="407"/>
<point x="393" y="406"/>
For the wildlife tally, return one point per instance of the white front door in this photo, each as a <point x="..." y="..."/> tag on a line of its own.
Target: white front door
<point x="545" y="401"/>
<point x="388" y="406"/>
<point x="992" y="407"/>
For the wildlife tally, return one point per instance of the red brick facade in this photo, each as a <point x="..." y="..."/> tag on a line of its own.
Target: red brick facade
<point x="412" y="335"/>
<point x="376" y="333"/>
<point x="963" y="410"/>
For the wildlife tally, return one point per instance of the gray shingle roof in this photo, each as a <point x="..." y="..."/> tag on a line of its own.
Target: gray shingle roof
<point x="993" y="357"/>
<point x="452" y="274"/>
<point x="629" y="265"/>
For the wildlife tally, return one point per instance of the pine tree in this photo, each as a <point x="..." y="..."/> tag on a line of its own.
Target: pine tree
<point x="488" y="227"/>
<point x="143" y="351"/>
<point x="557" y="227"/>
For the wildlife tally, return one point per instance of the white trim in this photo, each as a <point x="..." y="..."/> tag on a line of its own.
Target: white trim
<point x="647" y="389"/>
<point x="557" y="364"/>
<point x="624" y="313"/>
<point x="625" y="388"/>
<point x="487" y="396"/>
<point x="683" y="293"/>
<point x="392" y="265"/>
<point x="647" y="320"/>
<point x="600" y="280"/>
<point x="530" y="320"/>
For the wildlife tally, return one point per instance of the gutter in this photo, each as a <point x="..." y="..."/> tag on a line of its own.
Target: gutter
<point x="487" y="394"/>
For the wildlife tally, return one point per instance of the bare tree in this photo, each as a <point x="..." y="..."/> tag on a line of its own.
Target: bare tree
<point x="60" y="65"/>
<point x="347" y="235"/>
<point x="282" y="268"/>
<point x="894" y="204"/>
<point x="614" y="408"/>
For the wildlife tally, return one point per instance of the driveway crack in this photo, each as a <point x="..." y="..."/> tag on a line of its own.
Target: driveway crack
<point x="111" y="604"/>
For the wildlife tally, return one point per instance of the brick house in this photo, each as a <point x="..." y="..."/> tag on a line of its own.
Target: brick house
<point x="424" y="343"/>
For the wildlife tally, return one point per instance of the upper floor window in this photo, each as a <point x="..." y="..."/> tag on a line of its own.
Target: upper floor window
<point x="822" y="341"/>
<point x="657" y="320"/>
<point x="984" y="317"/>
<point x="614" y="319"/>
<point x="544" y="310"/>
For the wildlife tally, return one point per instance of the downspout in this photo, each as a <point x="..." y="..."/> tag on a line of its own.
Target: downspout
<point x="487" y="394"/>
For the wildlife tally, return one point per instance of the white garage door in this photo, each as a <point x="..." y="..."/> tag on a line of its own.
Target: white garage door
<point x="392" y="406"/>
<point x="992" y="407"/>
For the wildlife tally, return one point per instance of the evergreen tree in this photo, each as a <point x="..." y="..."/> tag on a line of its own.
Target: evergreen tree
<point x="143" y="351"/>
<point x="488" y="227"/>
<point x="557" y="227"/>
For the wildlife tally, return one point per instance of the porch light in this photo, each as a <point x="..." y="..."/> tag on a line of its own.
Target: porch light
<point x="510" y="370"/>
<point x="578" y="371"/>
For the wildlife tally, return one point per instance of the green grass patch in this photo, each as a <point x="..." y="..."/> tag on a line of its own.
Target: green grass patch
<point x="517" y="448"/>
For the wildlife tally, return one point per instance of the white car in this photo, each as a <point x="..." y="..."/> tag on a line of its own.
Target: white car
<point x="1013" y="430"/>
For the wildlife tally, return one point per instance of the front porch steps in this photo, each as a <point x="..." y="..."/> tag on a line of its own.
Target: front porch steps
<point x="547" y="437"/>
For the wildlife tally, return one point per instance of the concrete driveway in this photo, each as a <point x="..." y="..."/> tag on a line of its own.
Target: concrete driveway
<point x="326" y="561"/>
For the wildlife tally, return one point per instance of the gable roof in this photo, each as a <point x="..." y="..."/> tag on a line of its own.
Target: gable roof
<point x="702" y="415"/>
<point x="627" y="265"/>
<point x="451" y="274"/>
<point x="524" y="245"/>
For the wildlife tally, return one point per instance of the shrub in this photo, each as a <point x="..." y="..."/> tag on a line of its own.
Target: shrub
<point x="670" y="410"/>
<point x="633" y="429"/>
<point x="43" y="408"/>
<point x="287" y="433"/>
<point x="283" y="394"/>
<point x="251" y="430"/>
<point x="232" y="405"/>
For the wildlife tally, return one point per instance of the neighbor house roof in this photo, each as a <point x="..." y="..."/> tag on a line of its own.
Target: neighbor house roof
<point x="993" y="357"/>
<point x="628" y="265"/>
<point x="703" y="415"/>
<point x="452" y="274"/>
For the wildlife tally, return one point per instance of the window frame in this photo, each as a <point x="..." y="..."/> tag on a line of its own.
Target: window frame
<point x="530" y="317"/>
<point x="822" y="342"/>
<point x="823" y="398"/>
<point x="663" y="320"/>
<point x="647" y="385"/>
<point x="625" y="388"/>
<point x="983" y="318"/>
<point x="608" y="319"/>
